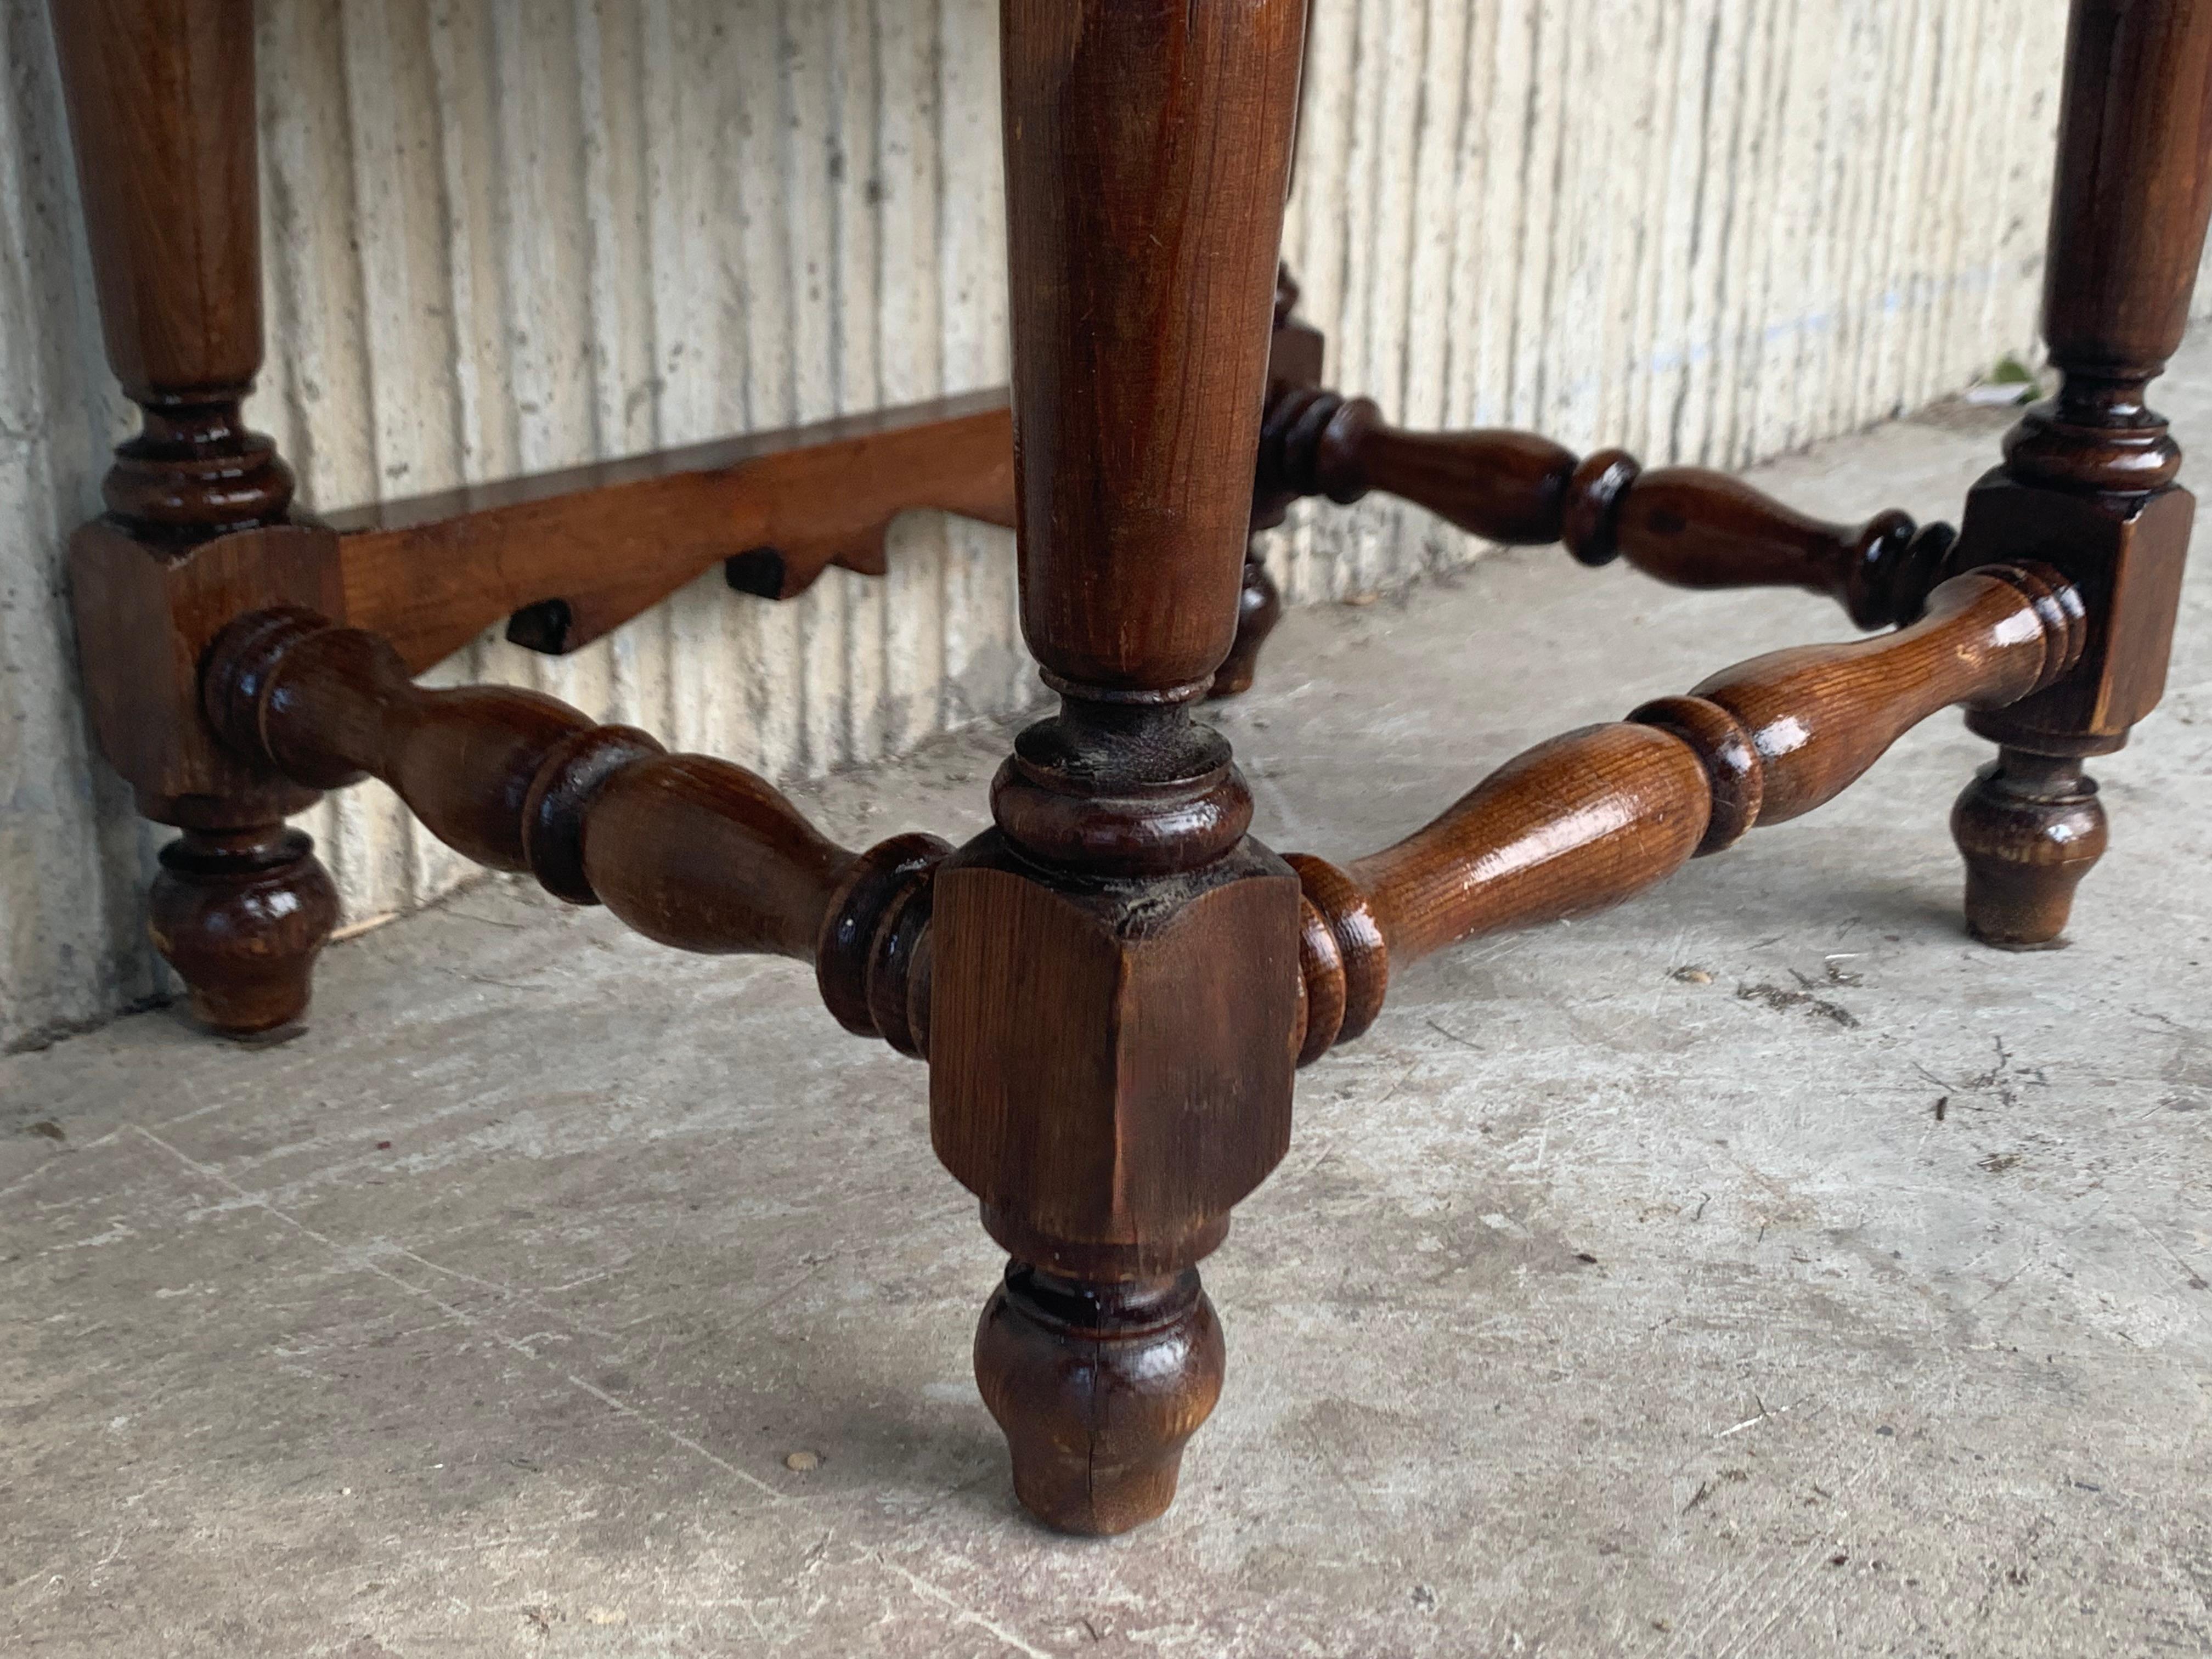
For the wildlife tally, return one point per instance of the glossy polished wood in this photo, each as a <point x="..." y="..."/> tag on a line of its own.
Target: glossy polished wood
<point x="241" y="915"/>
<point x="1114" y="981"/>
<point x="2087" y="482"/>
<point x="2030" y="827"/>
<point x="1587" y="819"/>
<point x="582" y="550"/>
<point x="1695" y="528"/>
<point x="161" y="103"/>
<point x="1114" y="963"/>
<point x="1294" y="360"/>
<point x="1146" y="143"/>
<point x="2129" y="203"/>
<point x="144" y="620"/>
<point x="692" y="852"/>
<point x="1684" y="524"/>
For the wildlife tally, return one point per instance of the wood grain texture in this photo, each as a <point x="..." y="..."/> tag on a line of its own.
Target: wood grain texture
<point x="1818" y="716"/>
<point x="1699" y="529"/>
<point x="2030" y="827"/>
<point x="1142" y="1092"/>
<point x="144" y="621"/>
<point x="509" y="241"/>
<point x="162" y="103"/>
<point x="2130" y="194"/>
<point x="1687" y="525"/>
<point x="2088" y="483"/>
<point x="161" y="106"/>
<point x="608" y="541"/>
<point x="1712" y="233"/>
<point x="1573" y="825"/>
<point x="1114" y="977"/>
<point x="1768" y="225"/>
<point x="1098" y="1387"/>
<point x="588" y="548"/>
<point x="160" y="96"/>
<point x="2089" y="474"/>
<point x="1142" y="294"/>
<point x="241" y="914"/>
<point x="1506" y="486"/>
<point x="1590" y="818"/>
<point x="692" y="852"/>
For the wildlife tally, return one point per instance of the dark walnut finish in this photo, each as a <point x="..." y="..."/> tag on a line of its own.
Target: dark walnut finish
<point x="1142" y="1358"/>
<point x="1587" y="820"/>
<point x="571" y="555"/>
<point x="2087" y="479"/>
<point x="1683" y="525"/>
<point x="1294" y="358"/>
<point x="691" y="852"/>
<point x="161" y="97"/>
<point x="1113" y="982"/>
<point x="161" y="102"/>
<point x="1115" y="961"/>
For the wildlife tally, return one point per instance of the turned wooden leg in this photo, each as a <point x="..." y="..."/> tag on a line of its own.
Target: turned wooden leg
<point x="160" y="104"/>
<point x="241" y="915"/>
<point x="2030" y="827"/>
<point x="1259" y="607"/>
<point x="1115" y="978"/>
<point x="1097" y="1386"/>
<point x="2088" y="484"/>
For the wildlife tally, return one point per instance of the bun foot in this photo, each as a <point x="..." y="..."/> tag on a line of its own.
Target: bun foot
<point x="1098" y="1387"/>
<point x="241" y="915"/>
<point x="2031" y="827"/>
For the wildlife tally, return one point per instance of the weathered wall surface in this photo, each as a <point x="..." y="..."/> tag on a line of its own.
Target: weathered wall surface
<point x="508" y="236"/>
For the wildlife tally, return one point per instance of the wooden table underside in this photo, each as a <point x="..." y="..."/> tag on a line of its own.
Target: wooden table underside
<point x="1113" y="980"/>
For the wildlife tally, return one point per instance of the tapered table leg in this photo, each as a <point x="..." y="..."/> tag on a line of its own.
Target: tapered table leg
<point x="2088" y="479"/>
<point x="1115" y="962"/>
<point x="162" y="114"/>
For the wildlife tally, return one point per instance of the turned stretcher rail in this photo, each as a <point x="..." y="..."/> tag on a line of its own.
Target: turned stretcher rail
<point x="1585" y="820"/>
<point x="703" y="855"/>
<point x="692" y="852"/>
<point x="1684" y="524"/>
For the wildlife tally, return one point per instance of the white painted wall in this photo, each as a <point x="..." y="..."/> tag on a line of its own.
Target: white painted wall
<point x="506" y="236"/>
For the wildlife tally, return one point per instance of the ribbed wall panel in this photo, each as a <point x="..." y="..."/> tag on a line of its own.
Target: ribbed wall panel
<point x="516" y="235"/>
<point x="1710" y="230"/>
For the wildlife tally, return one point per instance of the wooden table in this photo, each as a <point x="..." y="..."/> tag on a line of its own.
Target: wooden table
<point x="1113" y="982"/>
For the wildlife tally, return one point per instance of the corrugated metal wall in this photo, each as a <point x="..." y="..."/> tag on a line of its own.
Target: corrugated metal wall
<point x="508" y="236"/>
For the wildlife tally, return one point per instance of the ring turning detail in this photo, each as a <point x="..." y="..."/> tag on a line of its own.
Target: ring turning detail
<point x="1113" y="980"/>
<point x="1683" y="525"/>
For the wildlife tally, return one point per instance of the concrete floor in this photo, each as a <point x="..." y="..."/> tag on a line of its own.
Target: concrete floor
<point x="1624" y="1293"/>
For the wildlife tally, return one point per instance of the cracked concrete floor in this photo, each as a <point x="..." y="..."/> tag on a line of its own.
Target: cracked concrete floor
<point x="1625" y="1290"/>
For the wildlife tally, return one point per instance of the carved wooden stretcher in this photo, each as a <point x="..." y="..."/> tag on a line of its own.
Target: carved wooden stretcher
<point x="1113" y="982"/>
